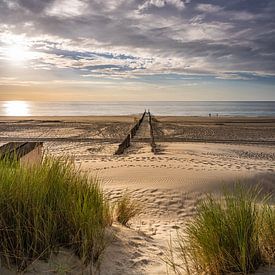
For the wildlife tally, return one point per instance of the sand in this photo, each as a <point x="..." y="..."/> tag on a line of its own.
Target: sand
<point x="195" y="156"/>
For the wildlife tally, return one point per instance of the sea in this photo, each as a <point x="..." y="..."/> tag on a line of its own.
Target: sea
<point x="165" y="108"/>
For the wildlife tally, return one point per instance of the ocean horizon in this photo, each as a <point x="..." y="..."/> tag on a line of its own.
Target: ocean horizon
<point x="166" y="108"/>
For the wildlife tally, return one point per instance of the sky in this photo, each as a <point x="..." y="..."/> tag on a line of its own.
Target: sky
<point x="137" y="50"/>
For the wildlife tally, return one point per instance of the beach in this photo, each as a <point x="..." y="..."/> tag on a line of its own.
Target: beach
<point x="137" y="137"/>
<point x="195" y="156"/>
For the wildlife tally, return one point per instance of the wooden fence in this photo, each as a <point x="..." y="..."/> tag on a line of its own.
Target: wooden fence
<point x="127" y="141"/>
<point x="153" y="144"/>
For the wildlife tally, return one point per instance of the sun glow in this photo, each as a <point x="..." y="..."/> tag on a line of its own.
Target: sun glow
<point x="17" y="48"/>
<point x="18" y="53"/>
<point x="17" y="108"/>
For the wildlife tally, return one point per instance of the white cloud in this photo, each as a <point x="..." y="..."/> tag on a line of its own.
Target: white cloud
<point x="64" y="8"/>
<point x="209" y="8"/>
<point x="232" y="76"/>
<point x="243" y="16"/>
<point x="179" y="4"/>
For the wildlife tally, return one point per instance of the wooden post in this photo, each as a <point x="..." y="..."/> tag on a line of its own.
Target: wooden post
<point x="127" y="141"/>
<point x="27" y="153"/>
<point x="153" y="144"/>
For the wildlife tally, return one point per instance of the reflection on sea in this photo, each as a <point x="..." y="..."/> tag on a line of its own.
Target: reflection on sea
<point x="16" y="108"/>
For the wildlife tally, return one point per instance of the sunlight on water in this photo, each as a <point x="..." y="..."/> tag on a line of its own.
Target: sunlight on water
<point x="167" y="108"/>
<point x="16" y="108"/>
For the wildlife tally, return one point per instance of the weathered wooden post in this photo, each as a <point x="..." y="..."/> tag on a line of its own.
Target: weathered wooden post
<point x="153" y="144"/>
<point x="128" y="140"/>
<point x="27" y="153"/>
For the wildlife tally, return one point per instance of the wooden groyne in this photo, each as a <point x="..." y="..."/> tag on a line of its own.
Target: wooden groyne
<point x="153" y="144"/>
<point x="127" y="141"/>
<point x="133" y="131"/>
<point x="29" y="153"/>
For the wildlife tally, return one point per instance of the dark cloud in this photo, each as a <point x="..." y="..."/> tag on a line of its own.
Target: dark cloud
<point x="35" y="6"/>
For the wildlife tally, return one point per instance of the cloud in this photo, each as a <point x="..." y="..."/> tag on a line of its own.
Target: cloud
<point x="35" y="6"/>
<point x="135" y="38"/>
<point x="61" y="8"/>
<point x="178" y="4"/>
<point x="208" y="8"/>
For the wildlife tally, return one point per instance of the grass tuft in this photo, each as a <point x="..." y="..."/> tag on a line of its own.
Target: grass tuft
<point x="126" y="209"/>
<point x="231" y="234"/>
<point x="267" y="235"/>
<point x="48" y="206"/>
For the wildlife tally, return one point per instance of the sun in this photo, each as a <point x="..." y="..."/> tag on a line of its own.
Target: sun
<point x="17" y="53"/>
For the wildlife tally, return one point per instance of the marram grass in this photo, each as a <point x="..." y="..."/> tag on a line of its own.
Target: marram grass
<point x="126" y="209"/>
<point x="231" y="234"/>
<point x="48" y="206"/>
<point x="267" y="235"/>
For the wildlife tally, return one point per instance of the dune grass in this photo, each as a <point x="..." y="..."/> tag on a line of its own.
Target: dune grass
<point x="231" y="234"/>
<point x="48" y="206"/>
<point x="126" y="209"/>
<point x="267" y="235"/>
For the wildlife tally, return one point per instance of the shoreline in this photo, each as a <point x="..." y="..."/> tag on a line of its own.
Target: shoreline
<point x="136" y="114"/>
